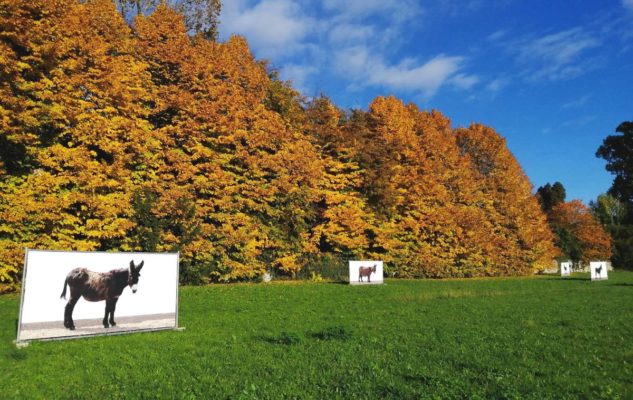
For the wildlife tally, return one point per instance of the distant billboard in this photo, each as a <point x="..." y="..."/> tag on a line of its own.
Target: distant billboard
<point x="565" y="268"/>
<point x="71" y="294"/>
<point x="598" y="270"/>
<point x="365" y="272"/>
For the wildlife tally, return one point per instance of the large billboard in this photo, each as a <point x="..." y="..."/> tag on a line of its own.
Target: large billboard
<point x="69" y="294"/>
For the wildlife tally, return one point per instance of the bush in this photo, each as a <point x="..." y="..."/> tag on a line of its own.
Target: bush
<point x="327" y="266"/>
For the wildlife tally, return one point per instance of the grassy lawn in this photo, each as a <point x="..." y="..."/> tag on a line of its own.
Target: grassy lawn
<point x="540" y="337"/>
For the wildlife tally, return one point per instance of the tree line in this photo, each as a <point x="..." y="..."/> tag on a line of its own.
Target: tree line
<point x="586" y="233"/>
<point x="150" y="135"/>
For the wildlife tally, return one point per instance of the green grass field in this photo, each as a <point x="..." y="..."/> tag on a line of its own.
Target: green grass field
<point x="540" y="337"/>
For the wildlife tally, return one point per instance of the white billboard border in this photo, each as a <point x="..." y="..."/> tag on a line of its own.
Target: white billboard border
<point x="23" y="343"/>
<point x="570" y="264"/>
<point x="351" y="283"/>
<point x="606" y="271"/>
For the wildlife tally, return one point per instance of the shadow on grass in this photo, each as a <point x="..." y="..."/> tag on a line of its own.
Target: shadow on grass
<point x="622" y="284"/>
<point x="291" y="338"/>
<point x="284" y="338"/>
<point x="567" y="278"/>
<point x="576" y="278"/>
<point x="331" y="333"/>
<point x="421" y="379"/>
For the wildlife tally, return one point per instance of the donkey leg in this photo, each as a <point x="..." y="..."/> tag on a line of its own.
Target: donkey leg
<point x="68" y="313"/>
<point x="105" y="317"/>
<point x="112" y="308"/>
<point x="66" y="316"/>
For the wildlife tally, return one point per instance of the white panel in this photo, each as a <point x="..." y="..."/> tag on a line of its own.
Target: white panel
<point x="598" y="270"/>
<point x="565" y="268"/>
<point x="374" y="278"/>
<point x="45" y="276"/>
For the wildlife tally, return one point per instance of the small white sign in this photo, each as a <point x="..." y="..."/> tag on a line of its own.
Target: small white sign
<point x="365" y="272"/>
<point x="598" y="270"/>
<point x="565" y="268"/>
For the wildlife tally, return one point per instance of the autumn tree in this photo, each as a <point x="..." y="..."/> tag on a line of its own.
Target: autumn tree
<point x="589" y="241"/>
<point x="518" y="215"/>
<point x="344" y="222"/>
<point x="608" y="210"/>
<point x="433" y="218"/>
<point x="132" y="8"/>
<point x="151" y="135"/>
<point x="200" y="16"/>
<point x="251" y="175"/>
<point x="75" y="101"/>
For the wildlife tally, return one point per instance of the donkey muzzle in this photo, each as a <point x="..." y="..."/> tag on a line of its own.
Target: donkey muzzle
<point x="134" y="288"/>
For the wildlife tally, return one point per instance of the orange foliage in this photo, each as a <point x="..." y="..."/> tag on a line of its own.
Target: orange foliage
<point x="595" y="243"/>
<point x="515" y="214"/>
<point x="150" y="139"/>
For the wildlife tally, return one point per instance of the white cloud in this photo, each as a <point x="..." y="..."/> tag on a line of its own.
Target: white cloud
<point x="274" y="28"/>
<point x="579" y="122"/>
<point x="350" y="33"/>
<point x="557" y="56"/>
<point x="426" y="78"/>
<point x="577" y="103"/>
<point x="497" y="84"/>
<point x="410" y="75"/>
<point x="354" y="60"/>
<point x="463" y="81"/>
<point x="497" y="35"/>
<point x="298" y="75"/>
<point x="395" y="10"/>
<point x="352" y="39"/>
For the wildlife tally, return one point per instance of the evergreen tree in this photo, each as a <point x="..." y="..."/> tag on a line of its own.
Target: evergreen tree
<point x="617" y="150"/>
<point x="550" y="196"/>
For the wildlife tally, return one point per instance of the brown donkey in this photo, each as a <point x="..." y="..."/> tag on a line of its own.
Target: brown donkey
<point x="98" y="286"/>
<point x="366" y="271"/>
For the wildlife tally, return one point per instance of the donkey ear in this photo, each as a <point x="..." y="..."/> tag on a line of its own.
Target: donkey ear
<point x="132" y="265"/>
<point x="140" y="266"/>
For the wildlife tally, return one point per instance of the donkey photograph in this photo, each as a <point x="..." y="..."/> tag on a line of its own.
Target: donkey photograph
<point x="366" y="272"/>
<point x="599" y="271"/>
<point x="98" y="286"/>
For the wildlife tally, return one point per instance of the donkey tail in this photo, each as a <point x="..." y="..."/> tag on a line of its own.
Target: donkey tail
<point x="63" y="296"/>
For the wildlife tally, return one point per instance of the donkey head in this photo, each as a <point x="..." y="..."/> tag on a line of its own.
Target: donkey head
<point x="132" y="279"/>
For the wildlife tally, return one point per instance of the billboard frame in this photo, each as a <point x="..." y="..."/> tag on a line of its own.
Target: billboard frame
<point x="25" y="342"/>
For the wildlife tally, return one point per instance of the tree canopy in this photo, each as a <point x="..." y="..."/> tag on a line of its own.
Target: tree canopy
<point x="152" y="136"/>
<point x="550" y="195"/>
<point x="580" y="235"/>
<point x="617" y="150"/>
<point x="616" y="210"/>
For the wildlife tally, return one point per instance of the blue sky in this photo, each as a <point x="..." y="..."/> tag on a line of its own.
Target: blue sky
<point x="553" y="77"/>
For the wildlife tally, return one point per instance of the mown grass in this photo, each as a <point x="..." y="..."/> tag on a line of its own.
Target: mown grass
<point x="534" y="338"/>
